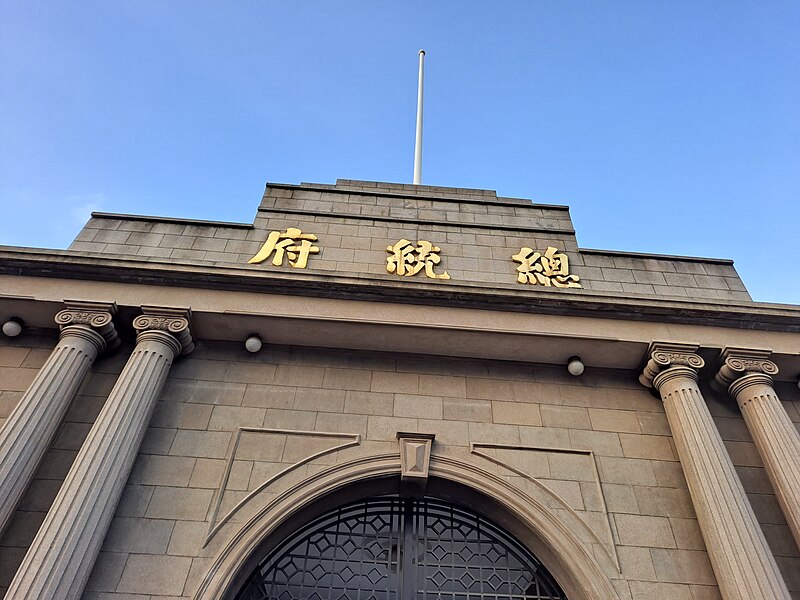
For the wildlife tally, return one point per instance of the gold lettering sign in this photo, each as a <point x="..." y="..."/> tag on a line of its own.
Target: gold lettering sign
<point x="405" y="259"/>
<point x="292" y="244"/>
<point x="548" y="269"/>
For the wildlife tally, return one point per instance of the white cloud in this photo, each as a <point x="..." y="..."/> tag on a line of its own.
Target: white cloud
<point x="38" y="222"/>
<point x="83" y="206"/>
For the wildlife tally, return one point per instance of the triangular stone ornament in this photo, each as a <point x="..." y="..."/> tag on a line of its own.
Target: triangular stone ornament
<point x="415" y="460"/>
<point x="262" y="462"/>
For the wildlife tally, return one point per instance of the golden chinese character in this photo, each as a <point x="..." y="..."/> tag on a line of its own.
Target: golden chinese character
<point x="550" y="268"/>
<point x="293" y="243"/>
<point x="407" y="260"/>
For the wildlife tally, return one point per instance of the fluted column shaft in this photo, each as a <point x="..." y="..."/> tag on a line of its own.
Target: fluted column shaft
<point x="31" y="426"/>
<point x="742" y="561"/>
<point x="775" y="436"/>
<point x="63" y="553"/>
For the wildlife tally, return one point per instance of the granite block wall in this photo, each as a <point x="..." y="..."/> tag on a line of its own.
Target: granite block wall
<point x="476" y="231"/>
<point x="188" y="479"/>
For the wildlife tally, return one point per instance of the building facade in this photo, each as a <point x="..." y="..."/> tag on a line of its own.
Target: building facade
<point x="391" y="391"/>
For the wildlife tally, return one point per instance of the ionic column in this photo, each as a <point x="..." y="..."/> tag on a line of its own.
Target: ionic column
<point x="747" y="375"/>
<point x="63" y="553"/>
<point x="86" y="330"/>
<point x="742" y="561"/>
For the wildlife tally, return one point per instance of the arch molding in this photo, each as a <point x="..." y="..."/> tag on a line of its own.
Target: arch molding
<point x="581" y="575"/>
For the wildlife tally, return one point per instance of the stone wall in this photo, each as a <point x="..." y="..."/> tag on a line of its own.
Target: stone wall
<point x="477" y="232"/>
<point x="188" y="478"/>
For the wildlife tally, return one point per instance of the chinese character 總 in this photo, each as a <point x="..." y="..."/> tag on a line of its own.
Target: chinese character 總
<point x="549" y="269"/>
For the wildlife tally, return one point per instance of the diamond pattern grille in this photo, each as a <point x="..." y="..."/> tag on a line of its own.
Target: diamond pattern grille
<point x="390" y="548"/>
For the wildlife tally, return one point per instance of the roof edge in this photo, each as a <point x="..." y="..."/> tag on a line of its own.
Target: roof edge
<point x="740" y="315"/>
<point x="497" y="200"/>
<point x="180" y="221"/>
<point x="622" y="253"/>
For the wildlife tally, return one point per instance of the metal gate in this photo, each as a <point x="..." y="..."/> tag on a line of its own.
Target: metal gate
<point x="391" y="548"/>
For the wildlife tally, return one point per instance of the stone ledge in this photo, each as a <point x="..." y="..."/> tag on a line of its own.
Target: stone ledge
<point x="727" y="313"/>
<point x="717" y="261"/>
<point x="365" y="183"/>
<point x="176" y="220"/>
<point x="501" y="200"/>
<point x="297" y="211"/>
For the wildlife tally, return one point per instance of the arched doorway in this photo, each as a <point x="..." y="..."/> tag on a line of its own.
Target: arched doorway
<point x="392" y="548"/>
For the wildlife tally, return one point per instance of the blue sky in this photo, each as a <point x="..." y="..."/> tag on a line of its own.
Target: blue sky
<point x="670" y="127"/>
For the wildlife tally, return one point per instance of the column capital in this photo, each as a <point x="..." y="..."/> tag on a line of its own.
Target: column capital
<point x="663" y="356"/>
<point x="176" y="322"/>
<point x="94" y="316"/>
<point x="741" y="367"/>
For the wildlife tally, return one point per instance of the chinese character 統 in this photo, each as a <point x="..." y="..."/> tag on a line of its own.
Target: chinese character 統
<point x="405" y="259"/>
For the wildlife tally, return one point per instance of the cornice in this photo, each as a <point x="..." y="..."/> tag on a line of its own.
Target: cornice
<point x="71" y="265"/>
<point x="418" y="221"/>
<point x="649" y="255"/>
<point x="452" y="197"/>
<point x="173" y="220"/>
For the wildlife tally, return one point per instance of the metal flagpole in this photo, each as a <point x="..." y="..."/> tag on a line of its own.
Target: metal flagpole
<point x="418" y="144"/>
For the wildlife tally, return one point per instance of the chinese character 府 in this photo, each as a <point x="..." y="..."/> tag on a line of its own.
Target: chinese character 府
<point x="292" y="243"/>
<point x="407" y="260"/>
<point x="548" y="269"/>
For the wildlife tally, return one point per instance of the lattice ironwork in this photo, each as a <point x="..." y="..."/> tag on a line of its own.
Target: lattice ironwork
<point x="390" y="548"/>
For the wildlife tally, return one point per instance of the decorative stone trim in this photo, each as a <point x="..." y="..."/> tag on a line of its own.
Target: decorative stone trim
<point x="95" y="315"/>
<point x="569" y="514"/>
<point x="415" y="461"/>
<point x="216" y="522"/>
<point x="174" y="321"/>
<point x="740" y="362"/>
<point x="580" y="573"/>
<point x="662" y="356"/>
